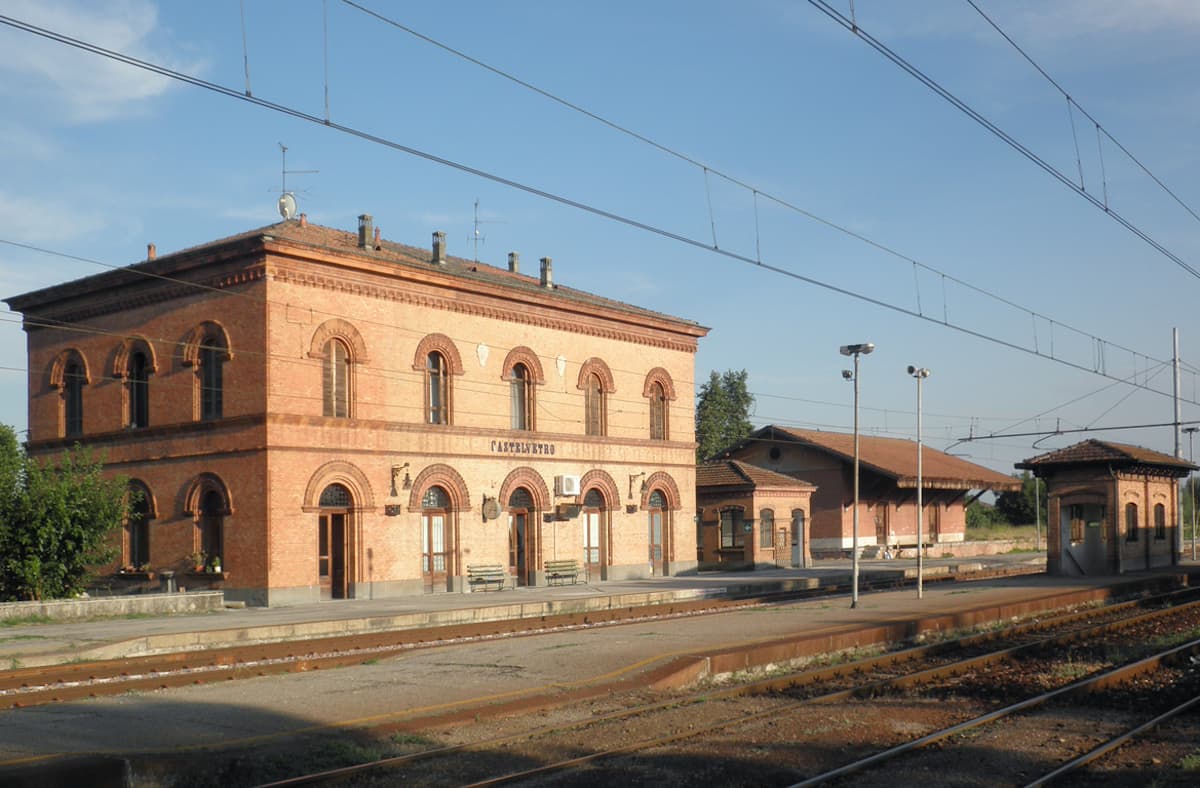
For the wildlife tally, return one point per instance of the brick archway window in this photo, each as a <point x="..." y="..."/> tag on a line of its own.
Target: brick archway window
<point x="437" y="389"/>
<point x="1160" y="521"/>
<point x="1131" y="522"/>
<point x="336" y="379"/>
<point x="74" y="379"/>
<point x="594" y="406"/>
<point x="521" y="397"/>
<point x="212" y="376"/>
<point x="137" y="382"/>
<point x="658" y="412"/>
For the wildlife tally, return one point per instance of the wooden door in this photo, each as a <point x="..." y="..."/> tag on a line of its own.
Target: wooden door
<point x="331" y="555"/>
<point x="433" y="550"/>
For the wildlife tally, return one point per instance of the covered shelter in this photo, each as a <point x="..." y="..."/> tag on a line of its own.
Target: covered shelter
<point x="1111" y="507"/>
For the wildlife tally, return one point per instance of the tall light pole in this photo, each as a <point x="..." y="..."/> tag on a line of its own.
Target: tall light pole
<point x="920" y="373"/>
<point x="1191" y="487"/>
<point x="863" y="348"/>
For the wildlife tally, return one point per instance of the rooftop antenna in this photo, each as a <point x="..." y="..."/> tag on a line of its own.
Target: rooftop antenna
<point x="287" y="199"/>
<point x="477" y="237"/>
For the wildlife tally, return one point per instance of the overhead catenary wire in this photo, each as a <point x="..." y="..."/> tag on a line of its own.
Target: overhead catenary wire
<point x="1004" y="136"/>
<point x="554" y="197"/>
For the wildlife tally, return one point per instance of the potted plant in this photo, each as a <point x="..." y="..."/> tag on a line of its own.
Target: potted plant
<point x="197" y="558"/>
<point x="215" y="564"/>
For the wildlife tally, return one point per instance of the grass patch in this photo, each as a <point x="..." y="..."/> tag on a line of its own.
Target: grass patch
<point x="1191" y="763"/>
<point x="998" y="531"/>
<point x="18" y="621"/>
<point x="23" y="637"/>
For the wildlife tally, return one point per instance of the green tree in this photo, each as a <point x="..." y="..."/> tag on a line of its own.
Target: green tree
<point x="1020" y="507"/>
<point x="722" y="412"/>
<point x="55" y="519"/>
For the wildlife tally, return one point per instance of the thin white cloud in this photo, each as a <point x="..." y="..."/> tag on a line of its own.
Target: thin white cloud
<point x="81" y="87"/>
<point x="33" y="220"/>
<point x="1125" y="17"/>
<point x="23" y="143"/>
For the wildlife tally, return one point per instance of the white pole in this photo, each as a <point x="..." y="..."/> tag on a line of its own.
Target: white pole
<point x="1178" y="448"/>
<point x="854" y="554"/>
<point x="920" y="500"/>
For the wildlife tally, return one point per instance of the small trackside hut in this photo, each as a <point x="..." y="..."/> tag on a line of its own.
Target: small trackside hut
<point x="1111" y="507"/>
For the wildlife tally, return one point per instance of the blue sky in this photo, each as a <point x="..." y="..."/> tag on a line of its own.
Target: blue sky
<point x="97" y="159"/>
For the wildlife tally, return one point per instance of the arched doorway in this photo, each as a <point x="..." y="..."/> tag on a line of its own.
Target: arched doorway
<point x="333" y="531"/>
<point x="435" y="517"/>
<point x="520" y="541"/>
<point x="593" y="528"/>
<point x="656" y="507"/>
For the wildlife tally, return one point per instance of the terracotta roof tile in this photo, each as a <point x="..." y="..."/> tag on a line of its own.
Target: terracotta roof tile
<point x="897" y="458"/>
<point x="727" y="473"/>
<point x="1097" y="451"/>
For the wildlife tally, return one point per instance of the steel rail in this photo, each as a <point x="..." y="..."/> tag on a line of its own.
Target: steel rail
<point x="780" y="684"/>
<point x="1100" y="681"/>
<point x="24" y="687"/>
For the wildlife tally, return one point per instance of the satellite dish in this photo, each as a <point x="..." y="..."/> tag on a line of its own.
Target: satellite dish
<point x="287" y="205"/>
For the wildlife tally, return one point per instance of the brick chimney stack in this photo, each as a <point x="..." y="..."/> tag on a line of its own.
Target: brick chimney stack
<point x="151" y="251"/>
<point x="514" y="262"/>
<point x="547" y="273"/>
<point x="439" y="248"/>
<point x="364" y="231"/>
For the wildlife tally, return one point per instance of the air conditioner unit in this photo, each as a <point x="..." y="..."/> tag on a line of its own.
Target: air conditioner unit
<point x="566" y="485"/>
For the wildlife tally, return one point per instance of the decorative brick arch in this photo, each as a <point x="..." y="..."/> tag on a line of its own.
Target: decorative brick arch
<point x="597" y="366"/>
<point x="336" y="328"/>
<point x="58" y="368"/>
<point x="190" y="346"/>
<point x="448" y="479"/>
<point x="198" y="486"/>
<point x="442" y="344"/>
<point x="129" y="346"/>
<point x="666" y="485"/>
<point x="662" y="377"/>
<point x="529" y="479"/>
<point x="597" y="479"/>
<point x="147" y="495"/>
<point x="523" y="355"/>
<point x="339" y="472"/>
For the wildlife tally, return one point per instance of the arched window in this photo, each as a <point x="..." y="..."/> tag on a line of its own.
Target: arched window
<point x="137" y="527"/>
<point x="212" y="377"/>
<point x="1160" y="521"/>
<point x="766" y="528"/>
<point x="336" y="379"/>
<point x="335" y="496"/>
<point x="137" y="382"/>
<point x="74" y="378"/>
<point x="437" y="389"/>
<point x="212" y="526"/>
<point x="594" y="406"/>
<point x="521" y="397"/>
<point x="1131" y="522"/>
<point x="658" y="412"/>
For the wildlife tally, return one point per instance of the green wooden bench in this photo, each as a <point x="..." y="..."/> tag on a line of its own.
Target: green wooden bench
<point x="559" y="572"/>
<point x="486" y="575"/>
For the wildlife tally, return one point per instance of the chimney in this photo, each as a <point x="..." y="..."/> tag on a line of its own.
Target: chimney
<point x="514" y="262"/>
<point x="439" y="248"/>
<point x="151" y="251"/>
<point x="304" y="220"/>
<point x="547" y="273"/>
<point x="378" y="243"/>
<point x="364" y="231"/>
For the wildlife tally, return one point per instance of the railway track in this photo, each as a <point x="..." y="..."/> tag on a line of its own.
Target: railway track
<point x="24" y="687"/>
<point x="692" y="729"/>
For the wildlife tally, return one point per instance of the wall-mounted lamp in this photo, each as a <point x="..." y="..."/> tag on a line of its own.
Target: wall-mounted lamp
<point x="407" y="484"/>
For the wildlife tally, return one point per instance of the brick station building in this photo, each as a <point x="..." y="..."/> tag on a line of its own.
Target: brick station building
<point x="325" y="414"/>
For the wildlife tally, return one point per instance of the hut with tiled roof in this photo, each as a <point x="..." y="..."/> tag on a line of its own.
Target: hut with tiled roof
<point x="887" y="486"/>
<point x="751" y="517"/>
<point x="1111" y="507"/>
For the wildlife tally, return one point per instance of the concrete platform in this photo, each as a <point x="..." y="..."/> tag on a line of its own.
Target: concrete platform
<point x="114" y="637"/>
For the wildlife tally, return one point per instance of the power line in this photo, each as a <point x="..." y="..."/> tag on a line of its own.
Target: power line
<point x="1050" y="433"/>
<point x="1099" y="128"/>
<point x="561" y="199"/>
<point x="974" y="115"/>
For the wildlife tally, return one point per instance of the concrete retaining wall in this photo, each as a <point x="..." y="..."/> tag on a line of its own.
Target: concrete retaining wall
<point x="139" y="604"/>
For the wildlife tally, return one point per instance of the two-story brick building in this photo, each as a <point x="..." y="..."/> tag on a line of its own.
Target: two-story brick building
<point x="324" y="414"/>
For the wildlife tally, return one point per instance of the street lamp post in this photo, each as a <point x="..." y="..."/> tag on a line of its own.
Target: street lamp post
<point x="861" y="349"/>
<point x="920" y="373"/>
<point x="1191" y="487"/>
